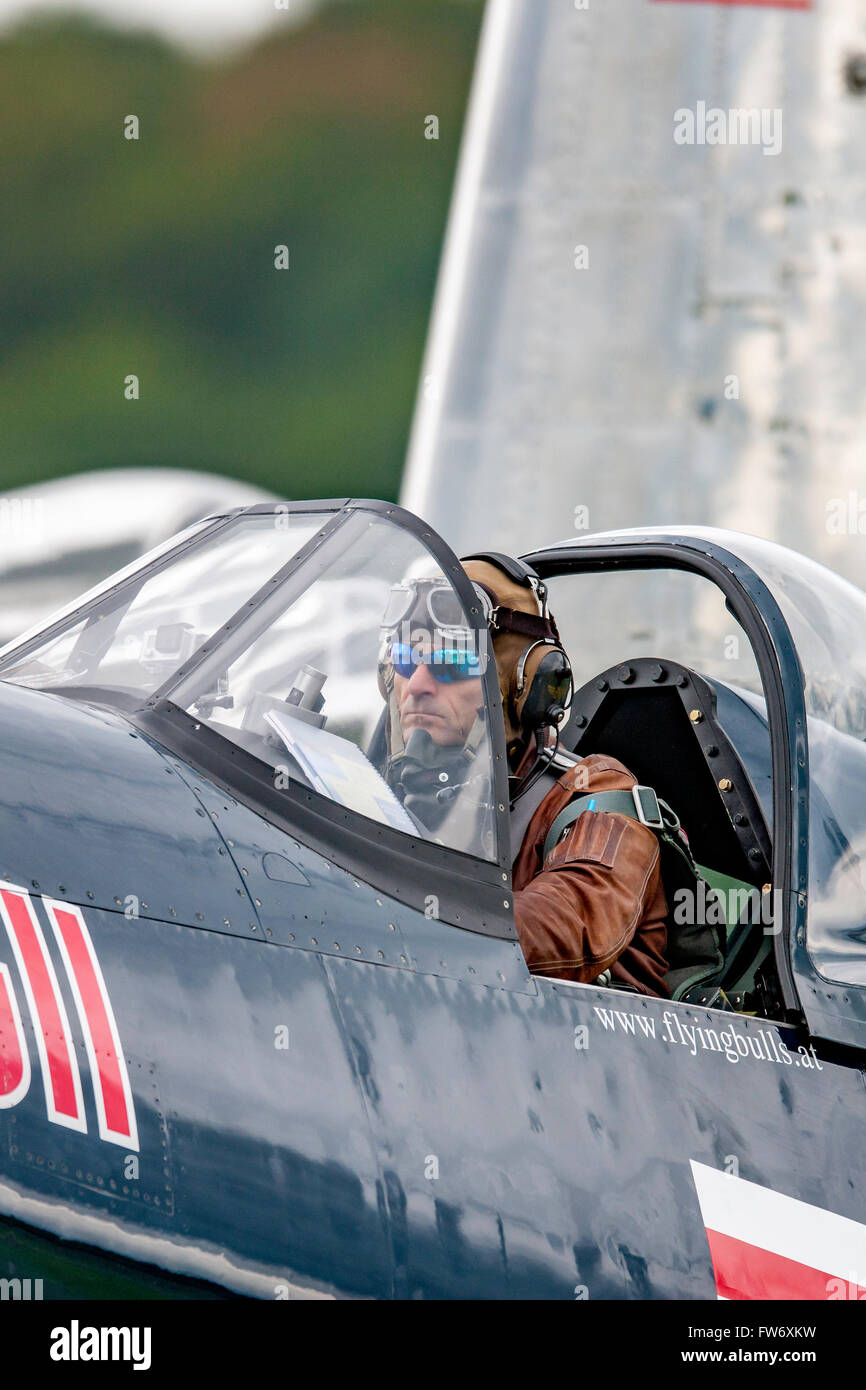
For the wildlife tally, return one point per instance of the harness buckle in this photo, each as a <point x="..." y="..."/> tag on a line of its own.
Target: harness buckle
<point x="646" y="805"/>
<point x="539" y="589"/>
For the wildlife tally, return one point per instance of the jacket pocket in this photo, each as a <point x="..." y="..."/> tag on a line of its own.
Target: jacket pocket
<point x="594" y="837"/>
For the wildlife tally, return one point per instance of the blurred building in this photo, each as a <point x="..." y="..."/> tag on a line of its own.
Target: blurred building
<point x="58" y="539"/>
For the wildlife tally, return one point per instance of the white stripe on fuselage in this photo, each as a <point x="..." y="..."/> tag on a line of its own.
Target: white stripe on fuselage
<point x="786" y="1226"/>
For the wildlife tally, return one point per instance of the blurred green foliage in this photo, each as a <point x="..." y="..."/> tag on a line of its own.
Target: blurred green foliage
<point x="156" y="256"/>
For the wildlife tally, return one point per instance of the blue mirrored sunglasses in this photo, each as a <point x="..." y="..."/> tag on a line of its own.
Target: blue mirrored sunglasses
<point x="446" y="663"/>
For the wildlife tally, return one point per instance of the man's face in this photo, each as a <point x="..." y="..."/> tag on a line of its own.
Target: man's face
<point x="446" y="709"/>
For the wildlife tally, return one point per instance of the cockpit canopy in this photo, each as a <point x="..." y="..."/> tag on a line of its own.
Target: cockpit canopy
<point x="275" y="629"/>
<point x="826" y="617"/>
<point x="279" y="628"/>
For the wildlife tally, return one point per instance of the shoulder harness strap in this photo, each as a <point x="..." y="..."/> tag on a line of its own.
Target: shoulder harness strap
<point x="699" y="951"/>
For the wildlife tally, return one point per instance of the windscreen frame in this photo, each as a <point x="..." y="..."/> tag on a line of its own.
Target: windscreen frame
<point x="210" y="527"/>
<point x="474" y="894"/>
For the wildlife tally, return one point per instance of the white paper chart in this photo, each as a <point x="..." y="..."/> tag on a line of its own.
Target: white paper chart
<point x="340" y="770"/>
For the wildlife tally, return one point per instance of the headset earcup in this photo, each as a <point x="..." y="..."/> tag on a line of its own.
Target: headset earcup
<point x="549" y="690"/>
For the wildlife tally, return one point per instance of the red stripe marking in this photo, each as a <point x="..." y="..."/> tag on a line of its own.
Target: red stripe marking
<point x="746" y="1271"/>
<point x="11" y="1056"/>
<point x="96" y="1016"/>
<point x="57" y="1043"/>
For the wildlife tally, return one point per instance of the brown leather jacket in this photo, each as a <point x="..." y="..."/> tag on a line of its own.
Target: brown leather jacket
<point x="597" y="901"/>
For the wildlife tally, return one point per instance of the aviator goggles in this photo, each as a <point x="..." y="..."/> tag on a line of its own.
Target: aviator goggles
<point x="435" y="602"/>
<point x="446" y="663"/>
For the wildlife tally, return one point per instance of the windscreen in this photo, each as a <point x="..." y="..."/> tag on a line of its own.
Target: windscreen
<point x="361" y="677"/>
<point x="141" y="632"/>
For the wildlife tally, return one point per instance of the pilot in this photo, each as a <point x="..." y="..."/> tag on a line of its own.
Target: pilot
<point x="592" y="907"/>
